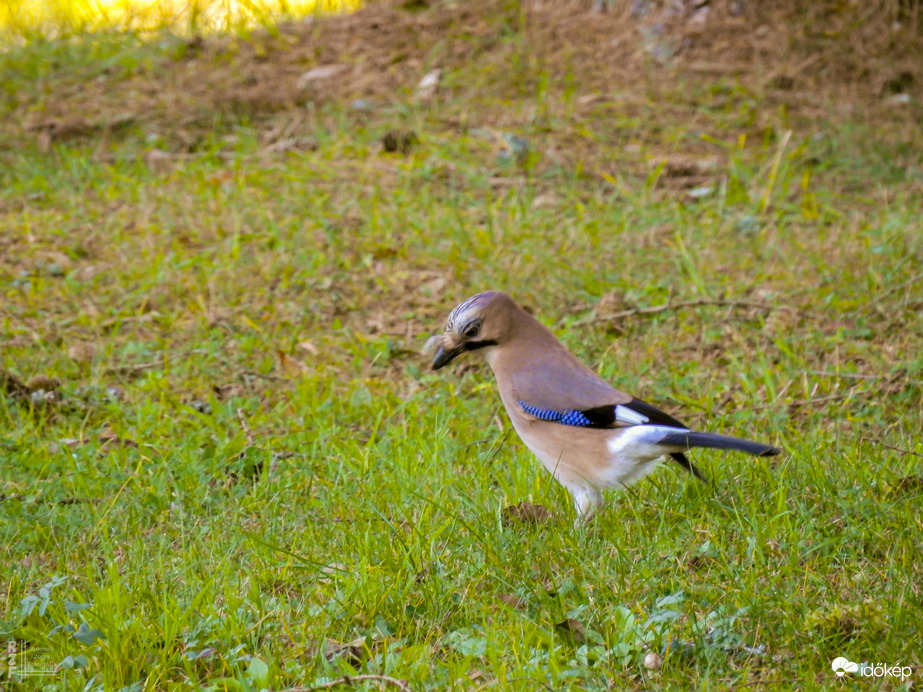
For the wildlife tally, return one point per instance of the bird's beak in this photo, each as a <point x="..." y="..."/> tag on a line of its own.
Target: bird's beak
<point x="445" y="356"/>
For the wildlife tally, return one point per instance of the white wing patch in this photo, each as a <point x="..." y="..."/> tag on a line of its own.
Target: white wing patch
<point x="623" y="414"/>
<point x="632" y="453"/>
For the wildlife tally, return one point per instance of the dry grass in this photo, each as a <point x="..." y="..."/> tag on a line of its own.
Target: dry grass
<point x="800" y="63"/>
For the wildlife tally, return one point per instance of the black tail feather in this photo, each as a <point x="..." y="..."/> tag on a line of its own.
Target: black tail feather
<point x="683" y="461"/>
<point x="689" y="440"/>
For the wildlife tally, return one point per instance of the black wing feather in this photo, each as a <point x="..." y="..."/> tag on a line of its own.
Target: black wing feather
<point x="601" y="416"/>
<point x="655" y="415"/>
<point x="605" y="416"/>
<point x="683" y="461"/>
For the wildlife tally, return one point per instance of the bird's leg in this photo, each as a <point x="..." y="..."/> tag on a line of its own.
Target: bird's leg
<point x="586" y="502"/>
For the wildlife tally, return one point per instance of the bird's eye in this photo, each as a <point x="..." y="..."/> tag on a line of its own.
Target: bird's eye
<point x="472" y="330"/>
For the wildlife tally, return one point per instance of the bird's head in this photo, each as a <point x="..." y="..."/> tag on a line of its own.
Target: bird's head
<point x="482" y="321"/>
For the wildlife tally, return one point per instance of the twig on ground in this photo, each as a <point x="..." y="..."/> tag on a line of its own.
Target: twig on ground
<point x="251" y="438"/>
<point x="896" y="449"/>
<point x="77" y="501"/>
<point x="894" y="289"/>
<point x="653" y="310"/>
<point x="263" y="376"/>
<point x="810" y="402"/>
<point x="161" y="359"/>
<point x="352" y="679"/>
<point x="892" y="385"/>
<point x="757" y="683"/>
<point x="845" y="375"/>
<point x="498" y="445"/>
<point x="276" y="455"/>
<point x="63" y="502"/>
<point x="135" y="367"/>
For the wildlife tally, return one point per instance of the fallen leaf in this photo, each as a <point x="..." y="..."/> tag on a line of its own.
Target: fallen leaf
<point x="200" y="406"/>
<point x="698" y="21"/>
<point x="332" y="571"/>
<point x="591" y="99"/>
<point x="44" y="382"/>
<point x="40" y="390"/>
<point x="308" y="345"/>
<point x="202" y="655"/>
<point x="319" y="73"/>
<point x="782" y="82"/>
<point x="158" y="160"/>
<point x="907" y="484"/>
<point x="572" y="629"/>
<point x="290" y="365"/>
<point x="223" y="392"/>
<point x="526" y="513"/>
<point x="546" y="200"/>
<point x="610" y="303"/>
<point x="12" y="386"/>
<point x="355" y="653"/>
<point x="684" y="166"/>
<point x="57" y="263"/>
<point x="82" y="352"/>
<point x="290" y="144"/>
<point x="399" y="141"/>
<point x="108" y="437"/>
<point x="87" y="273"/>
<point x="44" y="141"/>
<point x="512" y="600"/>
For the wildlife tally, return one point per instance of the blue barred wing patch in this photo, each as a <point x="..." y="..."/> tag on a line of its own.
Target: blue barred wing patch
<point x="570" y="417"/>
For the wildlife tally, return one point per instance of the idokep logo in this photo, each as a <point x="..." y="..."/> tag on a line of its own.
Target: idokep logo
<point x="841" y="666"/>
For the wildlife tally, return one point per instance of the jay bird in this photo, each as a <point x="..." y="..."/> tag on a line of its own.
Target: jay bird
<point x="588" y="435"/>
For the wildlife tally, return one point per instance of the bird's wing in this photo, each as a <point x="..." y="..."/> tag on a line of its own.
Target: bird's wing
<point x="579" y="397"/>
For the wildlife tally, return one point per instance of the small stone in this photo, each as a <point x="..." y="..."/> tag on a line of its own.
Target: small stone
<point x="318" y="73"/>
<point x="426" y="89"/>
<point x="898" y="99"/>
<point x="700" y="192"/>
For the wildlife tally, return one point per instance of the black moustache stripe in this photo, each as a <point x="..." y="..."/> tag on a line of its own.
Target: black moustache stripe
<point x="475" y="345"/>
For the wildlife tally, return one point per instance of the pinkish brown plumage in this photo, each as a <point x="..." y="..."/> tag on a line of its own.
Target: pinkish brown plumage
<point x="588" y="435"/>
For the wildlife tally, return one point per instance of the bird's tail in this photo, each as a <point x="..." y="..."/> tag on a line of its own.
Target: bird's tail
<point x="688" y="440"/>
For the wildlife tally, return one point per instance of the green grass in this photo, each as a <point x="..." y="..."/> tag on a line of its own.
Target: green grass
<point x="148" y="541"/>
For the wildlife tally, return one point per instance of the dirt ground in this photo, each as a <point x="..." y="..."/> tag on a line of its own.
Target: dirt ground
<point x="804" y="58"/>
